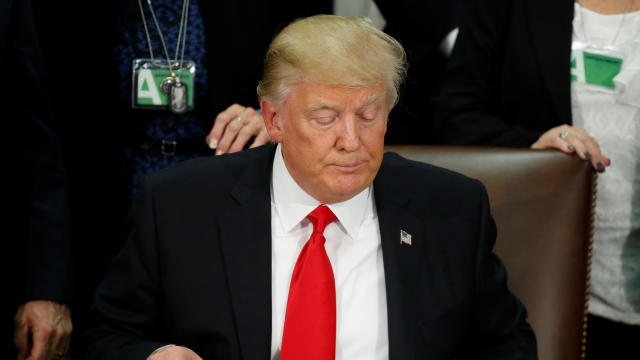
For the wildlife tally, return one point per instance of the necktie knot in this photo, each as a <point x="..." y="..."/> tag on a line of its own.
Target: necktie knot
<point x="320" y="218"/>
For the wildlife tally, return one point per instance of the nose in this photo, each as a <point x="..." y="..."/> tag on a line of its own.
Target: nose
<point x="348" y="134"/>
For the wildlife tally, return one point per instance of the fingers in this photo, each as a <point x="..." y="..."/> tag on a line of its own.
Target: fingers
<point x="239" y="129"/>
<point x="237" y="133"/>
<point x="21" y="334"/>
<point x="41" y="343"/>
<point x="587" y="148"/>
<point x="221" y="122"/>
<point x="261" y="139"/>
<point x="43" y="330"/>
<point x="254" y="129"/>
<point x="552" y="140"/>
<point x="60" y="343"/>
<point x="574" y="139"/>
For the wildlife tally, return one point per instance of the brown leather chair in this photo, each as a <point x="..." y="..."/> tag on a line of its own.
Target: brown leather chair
<point x="543" y="204"/>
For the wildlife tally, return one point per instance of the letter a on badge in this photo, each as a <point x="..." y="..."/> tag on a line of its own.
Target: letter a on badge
<point x="147" y="89"/>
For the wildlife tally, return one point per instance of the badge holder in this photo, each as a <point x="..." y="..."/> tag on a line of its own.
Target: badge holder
<point x="596" y="65"/>
<point x="156" y="86"/>
<point x="595" y="62"/>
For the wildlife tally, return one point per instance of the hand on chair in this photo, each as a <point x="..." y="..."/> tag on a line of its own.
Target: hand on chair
<point x="573" y="139"/>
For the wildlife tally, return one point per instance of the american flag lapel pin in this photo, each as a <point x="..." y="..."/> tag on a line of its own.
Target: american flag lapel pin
<point x="405" y="238"/>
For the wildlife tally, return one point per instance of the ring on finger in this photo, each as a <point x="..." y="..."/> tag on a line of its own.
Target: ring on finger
<point x="563" y="134"/>
<point x="240" y="120"/>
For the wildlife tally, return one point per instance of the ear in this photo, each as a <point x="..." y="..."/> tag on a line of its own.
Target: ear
<point x="386" y="123"/>
<point x="271" y="116"/>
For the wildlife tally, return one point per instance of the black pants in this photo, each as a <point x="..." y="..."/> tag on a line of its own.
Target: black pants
<point x="607" y="339"/>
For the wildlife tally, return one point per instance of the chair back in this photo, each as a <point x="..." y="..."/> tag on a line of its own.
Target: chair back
<point x="543" y="204"/>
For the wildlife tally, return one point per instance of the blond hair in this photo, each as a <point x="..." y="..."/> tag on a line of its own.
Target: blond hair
<point x="332" y="50"/>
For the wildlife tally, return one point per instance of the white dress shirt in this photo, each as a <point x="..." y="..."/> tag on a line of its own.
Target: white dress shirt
<point x="354" y="249"/>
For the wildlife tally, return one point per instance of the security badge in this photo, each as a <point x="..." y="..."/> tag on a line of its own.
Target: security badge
<point x="155" y="86"/>
<point x="593" y="68"/>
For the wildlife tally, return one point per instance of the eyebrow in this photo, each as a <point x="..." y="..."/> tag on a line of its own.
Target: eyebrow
<point x="322" y="106"/>
<point x="373" y="98"/>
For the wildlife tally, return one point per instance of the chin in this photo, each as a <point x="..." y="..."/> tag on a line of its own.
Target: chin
<point x="343" y="191"/>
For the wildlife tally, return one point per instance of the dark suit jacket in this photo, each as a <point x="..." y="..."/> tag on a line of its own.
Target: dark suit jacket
<point x="196" y="270"/>
<point x="508" y="77"/>
<point x="420" y="26"/>
<point x="36" y="262"/>
<point x="38" y="218"/>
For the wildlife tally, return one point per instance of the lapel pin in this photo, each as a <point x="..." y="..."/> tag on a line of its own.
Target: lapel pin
<point x="405" y="237"/>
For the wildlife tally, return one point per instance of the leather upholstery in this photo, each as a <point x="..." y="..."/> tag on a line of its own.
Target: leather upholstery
<point x="542" y="202"/>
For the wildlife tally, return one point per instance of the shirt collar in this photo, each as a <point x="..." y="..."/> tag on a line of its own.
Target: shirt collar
<point x="293" y="204"/>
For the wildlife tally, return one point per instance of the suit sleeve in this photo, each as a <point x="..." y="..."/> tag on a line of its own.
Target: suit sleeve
<point x="499" y="318"/>
<point x="123" y="322"/>
<point x="47" y="237"/>
<point x="465" y="111"/>
<point x="420" y="26"/>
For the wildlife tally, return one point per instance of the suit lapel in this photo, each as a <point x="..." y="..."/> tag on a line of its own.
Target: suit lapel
<point x="401" y="262"/>
<point x="551" y="31"/>
<point x="245" y="235"/>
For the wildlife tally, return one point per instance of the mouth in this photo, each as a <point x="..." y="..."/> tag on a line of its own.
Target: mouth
<point x="349" y="167"/>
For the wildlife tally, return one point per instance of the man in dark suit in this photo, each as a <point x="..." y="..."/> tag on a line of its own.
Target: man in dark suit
<point x="398" y="262"/>
<point x="37" y="254"/>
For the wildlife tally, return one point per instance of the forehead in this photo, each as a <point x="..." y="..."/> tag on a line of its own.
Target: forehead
<point x="312" y="96"/>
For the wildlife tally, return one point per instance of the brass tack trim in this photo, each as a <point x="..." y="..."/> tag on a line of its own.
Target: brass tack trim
<point x="587" y="288"/>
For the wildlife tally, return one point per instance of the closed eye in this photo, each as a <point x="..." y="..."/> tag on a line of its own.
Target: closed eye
<point x="323" y="116"/>
<point x="369" y="113"/>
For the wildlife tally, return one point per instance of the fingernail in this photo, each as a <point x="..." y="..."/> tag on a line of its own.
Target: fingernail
<point x="587" y="154"/>
<point x="218" y="152"/>
<point x="609" y="162"/>
<point x="600" y="166"/>
<point x="213" y="143"/>
<point x="571" y="148"/>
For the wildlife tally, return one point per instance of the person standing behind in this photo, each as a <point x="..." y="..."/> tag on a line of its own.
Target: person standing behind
<point x="109" y="145"/>
<point x="424" y="28"/>
<point x="217" y="63"/>
<point x="563" y="75"/>
<point x="36" y="242"/>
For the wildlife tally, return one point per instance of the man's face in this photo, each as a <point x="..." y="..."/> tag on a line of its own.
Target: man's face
<point x="332" y="137"/>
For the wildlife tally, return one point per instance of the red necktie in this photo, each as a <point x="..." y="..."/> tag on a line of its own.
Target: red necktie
<point x="310" y="321"/>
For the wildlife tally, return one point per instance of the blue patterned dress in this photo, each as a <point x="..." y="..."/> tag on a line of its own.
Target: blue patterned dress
<point x="160" y="124"/>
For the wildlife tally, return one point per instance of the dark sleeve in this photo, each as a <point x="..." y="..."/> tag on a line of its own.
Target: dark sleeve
<point x="466" y="111"/>
<point x="124" y="317"/>
<point x="47" y="238"/>
<point x="420" y="26"/>
<point x="500" y="327"/>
